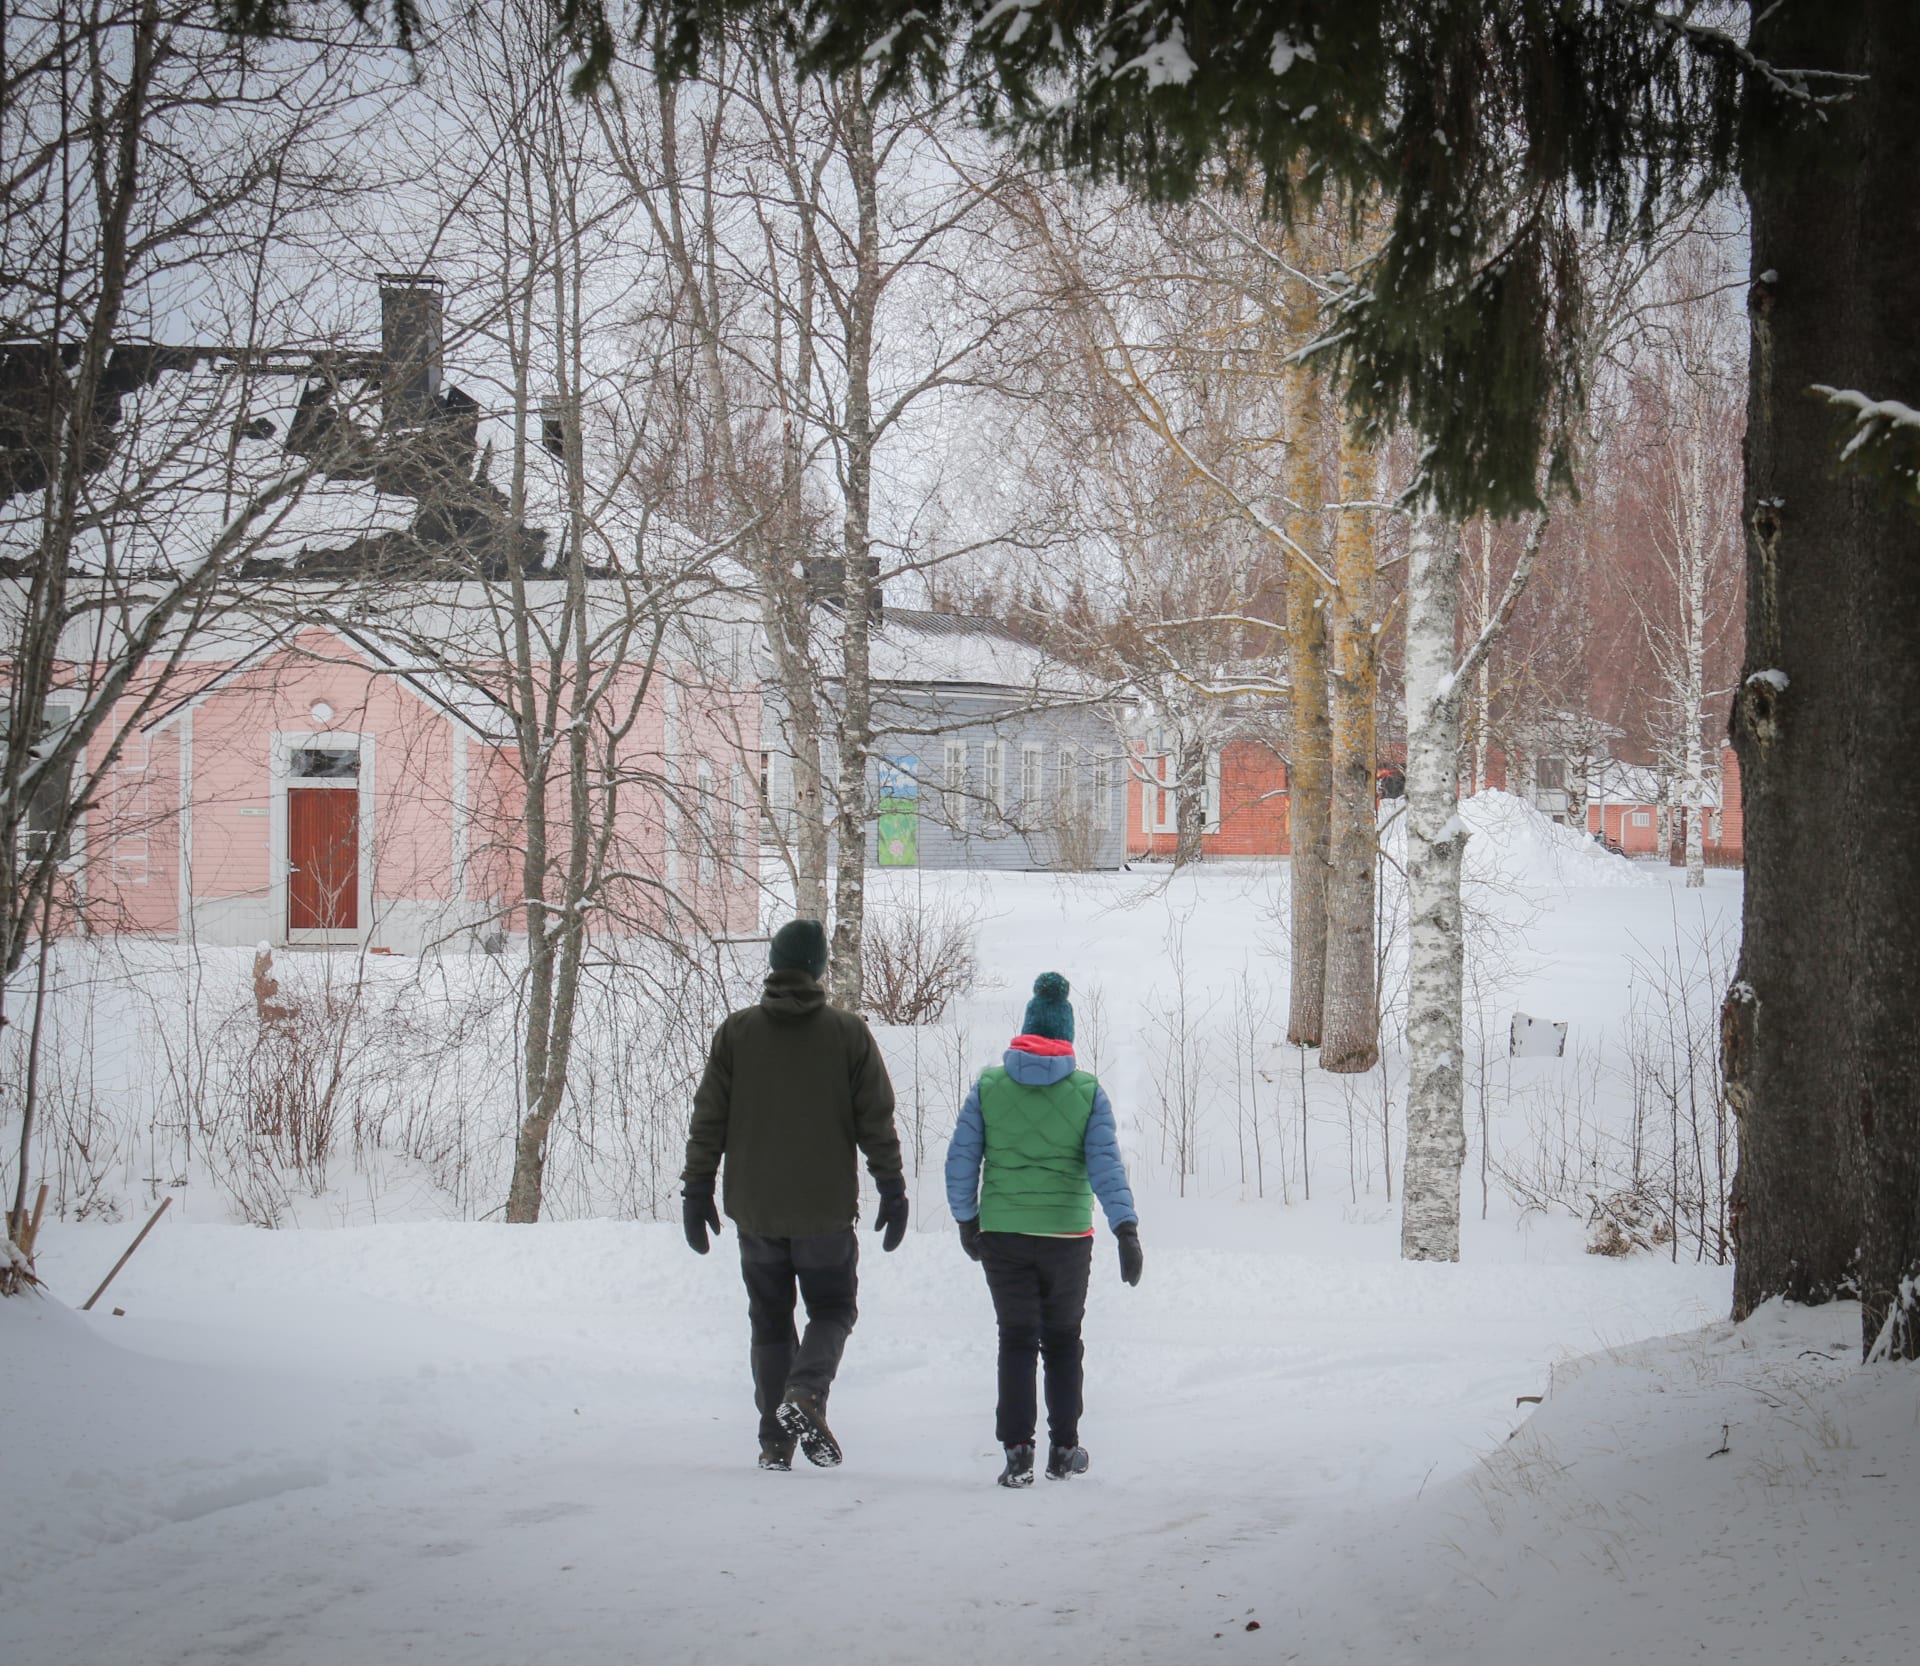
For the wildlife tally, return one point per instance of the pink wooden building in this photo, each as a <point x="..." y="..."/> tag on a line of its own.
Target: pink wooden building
<point x="324" y="785"/>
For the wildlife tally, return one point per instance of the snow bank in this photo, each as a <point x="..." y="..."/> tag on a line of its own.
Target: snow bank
<point x="1514" y="844"/>
<point x="1733" y="1494"/>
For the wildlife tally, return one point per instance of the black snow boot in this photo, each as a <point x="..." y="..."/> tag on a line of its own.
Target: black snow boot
<point x="1064" y="1462"/>
<point x="804" y="1417"/>
<point x="1019" y="1470"/>
<point x="776" y="1454"/>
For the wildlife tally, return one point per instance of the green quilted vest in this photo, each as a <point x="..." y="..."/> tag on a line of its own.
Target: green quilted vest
<point x="1035" y="1175"/>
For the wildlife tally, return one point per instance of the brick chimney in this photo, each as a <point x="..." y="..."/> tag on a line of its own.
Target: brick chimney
<point x="411" y="308"/>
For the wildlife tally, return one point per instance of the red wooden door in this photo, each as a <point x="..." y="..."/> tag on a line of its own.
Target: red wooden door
<point x="323" y="849"/>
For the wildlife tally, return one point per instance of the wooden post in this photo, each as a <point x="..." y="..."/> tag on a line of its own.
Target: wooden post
<point x="128" y="1256"/>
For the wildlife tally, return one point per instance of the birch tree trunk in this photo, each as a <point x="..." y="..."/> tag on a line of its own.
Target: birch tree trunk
<point x="856" y="716"/>
<point x="685" y="220"/>
<point x="1436" y="1130"/>
<point x="1350" y="1038"/>
<point x="1482" y="690"/>
<point x="1697" y="556"/>
<point x="1190" y="798"/>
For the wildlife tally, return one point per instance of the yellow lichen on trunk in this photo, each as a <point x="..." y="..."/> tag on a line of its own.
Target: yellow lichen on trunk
<point x="1350" y="1037"/>
<point x="1307" y="758"/>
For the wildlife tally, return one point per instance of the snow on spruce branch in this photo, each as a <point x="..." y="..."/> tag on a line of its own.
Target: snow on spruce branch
<point x="1885" y="437"/>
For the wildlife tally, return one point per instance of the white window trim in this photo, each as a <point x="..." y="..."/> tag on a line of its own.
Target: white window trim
<point x="705" y="823"/>
<point x="1033" y="775"/>
<point x="1161" y="807"/>
<point x="995" y="764"/>
<point x="953" y="782"/>
<point x="1212" y="806"/>
<point x="68" y="701"/>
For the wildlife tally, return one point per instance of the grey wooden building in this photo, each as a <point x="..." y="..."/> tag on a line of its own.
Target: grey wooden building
<point x="988" y="753"/>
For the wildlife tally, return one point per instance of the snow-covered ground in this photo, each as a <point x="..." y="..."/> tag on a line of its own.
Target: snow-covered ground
<point x="446" y="1440"/>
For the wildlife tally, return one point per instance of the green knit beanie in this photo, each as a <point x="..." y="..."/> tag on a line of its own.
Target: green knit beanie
<point x="1048" y="1013"/>
<point x="800" y="946"/>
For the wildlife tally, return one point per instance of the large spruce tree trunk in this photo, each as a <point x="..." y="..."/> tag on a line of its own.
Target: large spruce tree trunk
<point x="1821" y="1040"/>
<point x="1436" y="1126"/>
<point x="1350" y="1034"/>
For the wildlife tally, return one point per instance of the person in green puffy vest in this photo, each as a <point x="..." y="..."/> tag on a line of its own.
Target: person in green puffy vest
<point x="1035" y="1144"/>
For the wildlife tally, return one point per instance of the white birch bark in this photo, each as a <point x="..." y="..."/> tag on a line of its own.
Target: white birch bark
<point x="1695" y="560"/>
<point x="1436" y="950"/>
<point x="1436" y="1128"/>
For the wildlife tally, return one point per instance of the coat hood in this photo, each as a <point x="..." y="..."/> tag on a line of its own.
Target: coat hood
<point x="1037" y="1070"/>
<point x="792" y="994"/>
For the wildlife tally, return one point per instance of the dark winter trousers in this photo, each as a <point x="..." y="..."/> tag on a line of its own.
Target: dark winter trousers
<point x="826" y="1269"/>
<point x="1039" y="1290"/>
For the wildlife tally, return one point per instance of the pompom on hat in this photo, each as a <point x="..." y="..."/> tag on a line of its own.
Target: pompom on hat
<point x="1049" y="1014"/>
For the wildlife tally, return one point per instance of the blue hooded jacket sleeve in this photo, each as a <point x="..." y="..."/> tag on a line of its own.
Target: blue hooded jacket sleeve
<point x="1106" y="1168"/>
<point x="965" y="1151"/>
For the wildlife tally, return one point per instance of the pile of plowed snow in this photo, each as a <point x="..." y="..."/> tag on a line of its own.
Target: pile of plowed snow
<point x="1513" y="847"/>
<point x="1514" y="844"/>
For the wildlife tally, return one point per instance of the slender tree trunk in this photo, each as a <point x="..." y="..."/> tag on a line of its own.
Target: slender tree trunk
<point x="1482" y="694"/>
<point x="1190" y="799"/>
<point x="1436" y="1126"/>
<point x="1350" y="1040"/>
<point x="1820" y="1045"/>
<point x="856" y="716"/>
<point x="1308" y="782"/>
<point x="1696" y="556"/>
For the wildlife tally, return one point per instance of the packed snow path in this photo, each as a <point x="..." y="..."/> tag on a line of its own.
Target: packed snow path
<point x="478" y="1444"/>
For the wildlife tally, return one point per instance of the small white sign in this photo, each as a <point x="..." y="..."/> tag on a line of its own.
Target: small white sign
<point x="1536" y="1038"/>
<point x="252" y="810"/>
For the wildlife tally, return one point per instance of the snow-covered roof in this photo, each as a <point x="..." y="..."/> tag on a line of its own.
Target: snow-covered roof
<point x="911" y="649"/>
<point x="199" y="467"/>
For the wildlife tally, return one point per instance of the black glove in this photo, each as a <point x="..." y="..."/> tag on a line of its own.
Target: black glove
<point x="1127" y="1236"/>
<point x="892" y="1218"/>
<point x="970" y="1237"/>
<point x="697" y="1213"/>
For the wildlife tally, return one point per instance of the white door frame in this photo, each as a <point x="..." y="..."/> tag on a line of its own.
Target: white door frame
<point x="283" y="746"/>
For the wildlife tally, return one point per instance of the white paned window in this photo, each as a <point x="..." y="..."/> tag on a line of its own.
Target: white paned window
<point x="1031" y="766"/>
<point x="996" y="772"/>
<point x="1069" y="778"/>
<point x="47" y="804"/>
<point x="953" y="780"/>
<point x="1159" y="806"/>
<point x="1102" y="792"/>
<point x="709" y="830"/>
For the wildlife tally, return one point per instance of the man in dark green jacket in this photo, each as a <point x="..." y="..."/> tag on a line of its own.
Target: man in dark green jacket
<point x="792" y="1087"/>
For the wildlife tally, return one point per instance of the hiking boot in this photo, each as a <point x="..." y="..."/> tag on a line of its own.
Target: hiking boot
<point x="776" y="1454"/>
<point x="1019" y="1470"/>
<point x="1066" y="1461"/>
<point x="804" y="1417"/>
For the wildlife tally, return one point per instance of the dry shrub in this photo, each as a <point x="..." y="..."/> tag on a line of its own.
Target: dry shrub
<point x="917" y="959"/>
<point x="1623" y="1222"/>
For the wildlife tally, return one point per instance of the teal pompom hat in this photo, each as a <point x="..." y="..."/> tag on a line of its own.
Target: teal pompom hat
<point x="1048" y="1013"/>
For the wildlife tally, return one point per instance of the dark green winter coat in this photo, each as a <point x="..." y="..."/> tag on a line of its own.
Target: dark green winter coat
<point x="792" y="1087"/>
